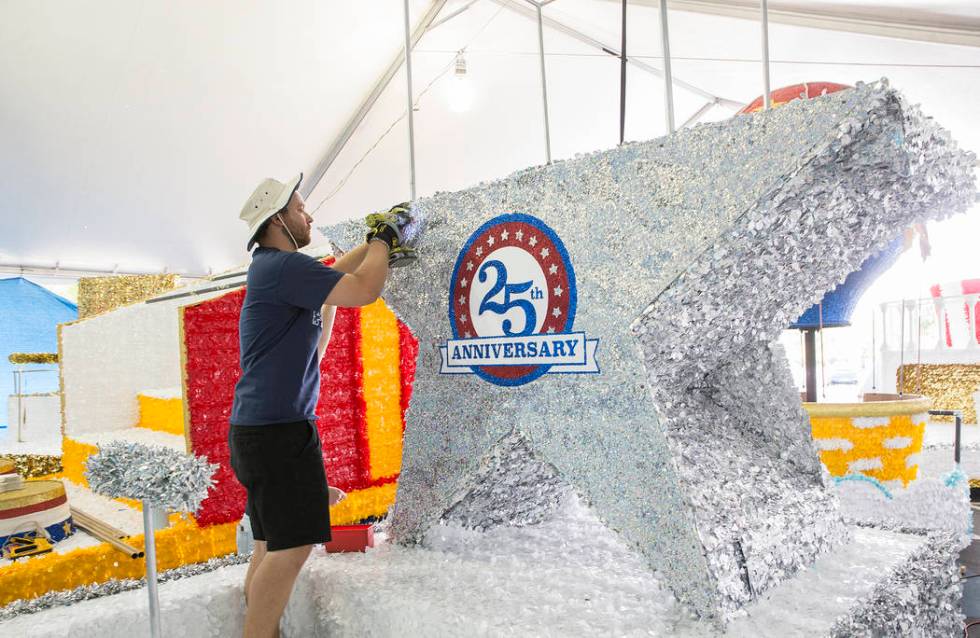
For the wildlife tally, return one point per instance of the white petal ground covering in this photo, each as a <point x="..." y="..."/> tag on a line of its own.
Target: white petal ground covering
<point x="568" y="576"/>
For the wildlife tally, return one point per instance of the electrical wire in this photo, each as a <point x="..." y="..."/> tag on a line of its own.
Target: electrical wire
<point x="415" y="103"/>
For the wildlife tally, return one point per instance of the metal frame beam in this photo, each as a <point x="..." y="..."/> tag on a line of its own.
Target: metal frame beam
<point x="551" y="23"/>
<point x="67" y="272"/>
<point x="701" y="112"/>
<point x="912" y="27"/>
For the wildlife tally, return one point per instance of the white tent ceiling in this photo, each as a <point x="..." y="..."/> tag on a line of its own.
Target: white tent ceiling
<point x="133" y="130"/>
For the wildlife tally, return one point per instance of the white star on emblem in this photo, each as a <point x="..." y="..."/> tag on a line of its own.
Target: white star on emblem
<point x="462" y="318"/>
<point x="463" y="282"/>
<point x="558" y="291"/>
<point x="553" y="269"/>
<point x="504" y="235"/>
<point x="468" y="335"/>
<point x="479" y="251"/>
<point x="520" y="235"/>
<point x="490" y="240"/>
<point x="556" y="312"/>
<point x="469" y="265"/>
<point x="462" y="300"/>
<point x="533" y="241"/>
<point x="551" y="331"/>
<point x="544" y="253"/>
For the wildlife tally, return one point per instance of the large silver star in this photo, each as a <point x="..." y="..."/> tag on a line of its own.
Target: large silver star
<point x="691" y="253"/>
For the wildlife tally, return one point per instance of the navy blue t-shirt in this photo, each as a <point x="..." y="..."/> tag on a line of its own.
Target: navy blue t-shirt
<point x="279" y="329"/>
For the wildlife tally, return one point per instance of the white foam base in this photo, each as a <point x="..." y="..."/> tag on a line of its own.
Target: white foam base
<point x="135" y="435"/>
<point x="10" y="445"/>
<point x="163" y="393"/>
<point x="569" y="576"/>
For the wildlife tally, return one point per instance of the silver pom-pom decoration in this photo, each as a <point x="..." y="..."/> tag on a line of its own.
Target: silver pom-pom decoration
<point x="163" y="477"/>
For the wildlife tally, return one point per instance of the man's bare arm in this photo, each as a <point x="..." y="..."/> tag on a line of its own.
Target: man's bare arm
<point x="350" y="261"/>
<point x="364" y="285"/>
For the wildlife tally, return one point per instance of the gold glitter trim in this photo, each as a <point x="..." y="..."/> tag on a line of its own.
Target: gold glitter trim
<point x="874" y="405"/>
<point x="183" y="381"/>
<point x="7" y="466"/>
<point x="32" y="493"/>
<point x="951" y="385"/>
<point x="33" y="357"/>
<point x="35" y="465"/>
<point x="99" y="295"/>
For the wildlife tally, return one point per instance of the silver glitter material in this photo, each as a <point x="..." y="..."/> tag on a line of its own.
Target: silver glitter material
<point x="161" y="476"/>
<point x="513" y="487"/>
<point x="691" y="253"/>
<point x="414" y="228"/>
<point x="921" y="598"/>
<point x="108" y="588"/>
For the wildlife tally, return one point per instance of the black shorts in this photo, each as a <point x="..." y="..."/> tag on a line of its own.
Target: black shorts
<point x="281" y="467"/>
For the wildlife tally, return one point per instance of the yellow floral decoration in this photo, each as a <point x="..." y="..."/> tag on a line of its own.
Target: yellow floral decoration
<point x="878" y="439"/>
<point x="380" y="358"/>
<point x="162" y="415"/>
<point x="182" y="543"/>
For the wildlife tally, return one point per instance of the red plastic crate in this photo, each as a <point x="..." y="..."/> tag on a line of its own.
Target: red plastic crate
<point x="350" y="538"/>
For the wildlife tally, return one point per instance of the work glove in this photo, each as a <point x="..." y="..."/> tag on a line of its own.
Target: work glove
<point x="395" y="227"/>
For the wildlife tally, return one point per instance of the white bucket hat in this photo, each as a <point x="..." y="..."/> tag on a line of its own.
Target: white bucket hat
<point x="269" y="197"/>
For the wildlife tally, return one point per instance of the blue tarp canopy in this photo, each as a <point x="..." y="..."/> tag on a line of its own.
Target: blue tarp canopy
<point x="29" y="318"/>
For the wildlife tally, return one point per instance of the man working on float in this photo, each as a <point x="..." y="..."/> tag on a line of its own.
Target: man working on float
<point x="284" y="328"/>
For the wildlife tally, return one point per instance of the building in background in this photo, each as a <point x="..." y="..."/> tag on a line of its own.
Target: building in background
<point x="29" y="318"/>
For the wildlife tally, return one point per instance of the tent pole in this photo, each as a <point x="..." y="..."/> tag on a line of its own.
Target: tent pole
<point x="767" y="99"/>
<point x="411" y="105"/>
<point x="544" y="87"/>
<point x="810" y="361"/>
<point x="622" y="80"/>
<point x="668" y="79"/>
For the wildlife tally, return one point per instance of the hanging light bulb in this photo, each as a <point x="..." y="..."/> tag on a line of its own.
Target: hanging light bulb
<point x="460" y="87"/>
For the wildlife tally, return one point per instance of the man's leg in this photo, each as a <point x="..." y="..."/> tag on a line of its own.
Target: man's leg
<point x="258" y="553"/>
<point x="270" y="588"/>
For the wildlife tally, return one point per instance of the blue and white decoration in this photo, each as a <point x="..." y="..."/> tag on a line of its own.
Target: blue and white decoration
<point x="512" y="306"/>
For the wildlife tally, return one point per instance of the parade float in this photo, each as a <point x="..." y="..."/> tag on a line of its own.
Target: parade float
<point x="601" y="434"/>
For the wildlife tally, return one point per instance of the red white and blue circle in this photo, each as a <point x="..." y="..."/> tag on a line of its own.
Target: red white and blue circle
<point x="512" y="295"/>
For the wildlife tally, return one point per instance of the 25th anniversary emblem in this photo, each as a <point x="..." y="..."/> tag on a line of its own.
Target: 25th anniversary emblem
<point x="512" y="302"/>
